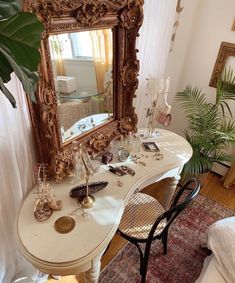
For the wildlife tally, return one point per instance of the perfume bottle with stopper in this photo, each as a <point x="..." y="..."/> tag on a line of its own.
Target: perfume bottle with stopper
<point x="77" y="163"/>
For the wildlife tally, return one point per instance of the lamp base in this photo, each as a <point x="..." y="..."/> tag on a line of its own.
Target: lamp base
<point x="88" y="201"/>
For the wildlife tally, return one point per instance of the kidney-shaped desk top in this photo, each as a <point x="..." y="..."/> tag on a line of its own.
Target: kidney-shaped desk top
<point x="81" y="249"/>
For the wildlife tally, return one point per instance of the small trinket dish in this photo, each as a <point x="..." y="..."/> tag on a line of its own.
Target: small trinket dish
<point x="107" y="157"/>
<point x="150" y="146"/>
<point x="64" y="224"/>
<point x="123" y="155"/>
<point x="42" y="211"/>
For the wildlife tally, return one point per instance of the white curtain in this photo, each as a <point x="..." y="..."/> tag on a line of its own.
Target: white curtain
<point x="17" y="162"/>
<point x="153" y="45"/>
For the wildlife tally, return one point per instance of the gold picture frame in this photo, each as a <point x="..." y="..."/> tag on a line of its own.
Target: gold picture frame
<point x="227" y="49"/>
<point x="233" y="25"/>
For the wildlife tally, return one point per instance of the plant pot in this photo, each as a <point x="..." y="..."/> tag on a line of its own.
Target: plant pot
<point x="201" y="178"/>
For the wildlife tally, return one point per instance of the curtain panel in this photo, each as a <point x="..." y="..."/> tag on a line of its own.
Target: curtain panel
<point x="154" y="46"/>
<point x="17" y="161"/>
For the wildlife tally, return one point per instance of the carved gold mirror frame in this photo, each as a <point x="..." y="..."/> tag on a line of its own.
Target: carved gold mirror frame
<point x="226" y="50"/>
<point x="124" y="17"/>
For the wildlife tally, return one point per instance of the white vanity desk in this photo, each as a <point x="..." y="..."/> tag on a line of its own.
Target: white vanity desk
<point x="81" y="249"/>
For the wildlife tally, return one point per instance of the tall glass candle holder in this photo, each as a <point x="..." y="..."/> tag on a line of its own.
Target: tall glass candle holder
<point x="89" y="200"/>
<point x="77" y="164"/>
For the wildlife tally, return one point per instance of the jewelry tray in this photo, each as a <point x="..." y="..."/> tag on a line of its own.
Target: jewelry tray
<point x="94" y="187"/>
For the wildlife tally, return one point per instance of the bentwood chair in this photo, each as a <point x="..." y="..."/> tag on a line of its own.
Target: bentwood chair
<point x="145" y="220"/>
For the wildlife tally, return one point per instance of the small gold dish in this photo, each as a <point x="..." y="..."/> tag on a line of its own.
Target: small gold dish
<point x="64" y="224"/>
<point x="42" y="211"/>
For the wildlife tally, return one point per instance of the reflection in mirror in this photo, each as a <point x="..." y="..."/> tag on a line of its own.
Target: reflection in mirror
<point x="82" y="64"/>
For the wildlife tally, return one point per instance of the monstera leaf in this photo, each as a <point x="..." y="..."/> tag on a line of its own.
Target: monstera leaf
<point x="9" y="8"/>
<point x="19" y="43"/>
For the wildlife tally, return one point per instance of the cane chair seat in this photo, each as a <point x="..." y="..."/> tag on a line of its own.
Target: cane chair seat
<point x="139" y="216"/>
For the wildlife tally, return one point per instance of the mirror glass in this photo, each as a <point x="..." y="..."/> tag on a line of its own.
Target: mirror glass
<point x="82" y="64"/>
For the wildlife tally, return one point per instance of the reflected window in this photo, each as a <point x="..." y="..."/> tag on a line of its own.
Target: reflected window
<point x="81" y="44"/>
<point x="71" y="45"/>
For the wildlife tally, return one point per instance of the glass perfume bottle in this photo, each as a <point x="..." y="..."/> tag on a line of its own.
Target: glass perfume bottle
<point x="77" y="165"/>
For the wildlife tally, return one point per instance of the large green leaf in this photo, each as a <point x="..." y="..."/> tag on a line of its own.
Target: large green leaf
<point x="20" y="37"/>
<point x="192" y="99"/>
<point x="9" y="8"/>
<point x="27" y="78"/>
<point x="5" y="69"/>
<point x="7" y="93"/>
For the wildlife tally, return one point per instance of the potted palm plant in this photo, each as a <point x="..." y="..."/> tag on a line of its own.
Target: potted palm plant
<point x="211" y="128"/>
<point x="20" y="35"/>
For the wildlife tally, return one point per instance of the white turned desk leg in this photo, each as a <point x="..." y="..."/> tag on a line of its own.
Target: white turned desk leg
<point x="169" y="190"/>
<point x="92" y="275"/>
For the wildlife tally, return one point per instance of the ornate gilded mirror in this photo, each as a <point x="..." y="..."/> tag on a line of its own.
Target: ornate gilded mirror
<point x="88" y="76"/>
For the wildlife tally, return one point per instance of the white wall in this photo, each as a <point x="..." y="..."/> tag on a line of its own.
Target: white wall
<point x="204" y="24"/>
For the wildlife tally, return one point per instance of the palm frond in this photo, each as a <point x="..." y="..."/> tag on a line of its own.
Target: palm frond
<point x="221" y="157"/>
<point x="192" y="99"/>
<point x="209" y="130"/>
<point x="225" y="89"/>
<point x="197" y="163"/>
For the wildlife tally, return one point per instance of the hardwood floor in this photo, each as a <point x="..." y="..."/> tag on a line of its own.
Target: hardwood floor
<point x="213" y="189"/>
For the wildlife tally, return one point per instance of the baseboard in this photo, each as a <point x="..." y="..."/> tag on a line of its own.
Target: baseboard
<point x="220" y="168"/>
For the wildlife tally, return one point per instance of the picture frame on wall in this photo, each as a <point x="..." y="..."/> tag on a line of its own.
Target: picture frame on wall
<point x="225" y="59"/>
<point x="233" y="25"/>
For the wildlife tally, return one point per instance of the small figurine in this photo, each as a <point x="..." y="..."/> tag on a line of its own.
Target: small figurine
<point x="46" y="202"/>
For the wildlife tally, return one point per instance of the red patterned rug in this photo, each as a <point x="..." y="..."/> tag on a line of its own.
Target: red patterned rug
<point x="184" y="260"/>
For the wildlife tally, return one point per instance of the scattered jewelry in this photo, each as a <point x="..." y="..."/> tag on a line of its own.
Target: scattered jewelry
<point x="142" y="163"/>
<point x="82" y="213"/>
<point x="135" y="158"/>
<point x="119" y="183"/>
<point x="158" y="156"/>
<point x="117" y="170"/>
<point x="128" y="170"/>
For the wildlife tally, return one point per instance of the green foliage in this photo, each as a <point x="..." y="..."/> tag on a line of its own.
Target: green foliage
<point x="9" y="8"/>
<point x="20" y="35"/>
<point x="210" y="125"/>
